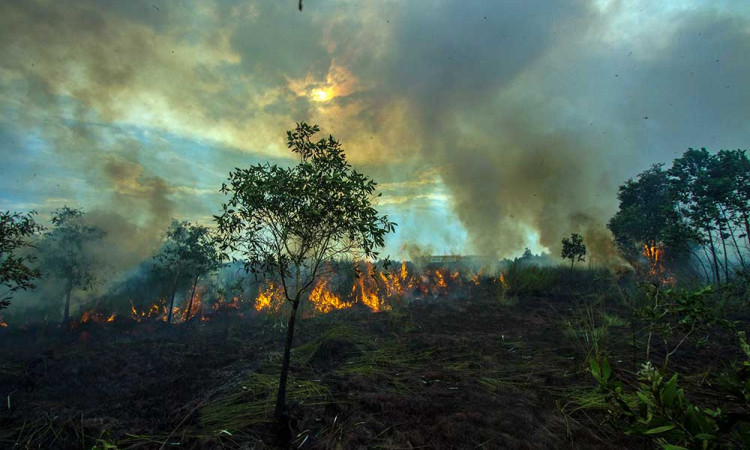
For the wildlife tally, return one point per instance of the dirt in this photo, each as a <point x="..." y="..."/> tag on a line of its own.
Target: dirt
<point x="462" y="373"/>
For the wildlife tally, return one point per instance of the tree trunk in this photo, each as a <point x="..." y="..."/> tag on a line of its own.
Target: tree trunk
<point x="171" y="302"/>
<point x="703" y="266"/>
<point x="281" y="396"/>
<point x="713" y="254"/>
<point x="66" y="314"/>
<point x="190" y="303"/>
<point x="737" y="247"/>
<point x="724" y="249"/>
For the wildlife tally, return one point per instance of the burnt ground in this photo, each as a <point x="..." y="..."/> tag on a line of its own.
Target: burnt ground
<point x="464" y="373"/>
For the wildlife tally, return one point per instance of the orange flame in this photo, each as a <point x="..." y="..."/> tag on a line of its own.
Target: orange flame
<point x="269" y="299"/>
<point x="324" y="300"/>
<point x="440" y="279"/>
<point x="655" y="255"/>
<point x="155" y="311"/>
<point x="502" y="281"/>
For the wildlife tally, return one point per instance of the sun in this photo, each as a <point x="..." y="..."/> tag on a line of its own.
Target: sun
<point x="321" y="95"/>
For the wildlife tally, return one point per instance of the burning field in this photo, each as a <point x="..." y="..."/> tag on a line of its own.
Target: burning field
<point x="397" y="358"/>
<point x="439" y="357"/>
<point x="331" y="224"/>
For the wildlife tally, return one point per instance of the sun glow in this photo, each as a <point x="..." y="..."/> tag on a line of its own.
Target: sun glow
<point x="322" y="95"/>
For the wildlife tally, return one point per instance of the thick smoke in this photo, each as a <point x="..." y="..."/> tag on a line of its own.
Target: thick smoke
<point x="535" y="115"/>
<point x="531" y="113"/>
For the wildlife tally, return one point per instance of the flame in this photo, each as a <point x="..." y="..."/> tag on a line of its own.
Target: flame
<point x="654" y="254"/>
<point x="368" y="291"/>
<point x="154" y="311"/>
<point x="369" y="297"/>
<point x="375" y="289"/>
<point x="440" y="279"/>
<point x="3" y="324"/>
<point x="96" y="317"/>
<point x="270" y="299"/>
<point x="324" y="300"/>
<point x="502" y="281"/>
<point x="397" y="283"/>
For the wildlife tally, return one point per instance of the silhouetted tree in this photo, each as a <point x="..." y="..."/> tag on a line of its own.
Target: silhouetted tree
<point x="187" y="253"/>
<point x="287" y="221"/>
<point x="16" y="231"/>
<point x="573" y="249"/>
<point x="647" y="216"/>
<point x="694" y="188"/>
<point x="701" y="204"/>
<point x="65" y="252"/>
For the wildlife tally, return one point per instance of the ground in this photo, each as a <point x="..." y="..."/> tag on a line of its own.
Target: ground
<point x="461" y="373"/>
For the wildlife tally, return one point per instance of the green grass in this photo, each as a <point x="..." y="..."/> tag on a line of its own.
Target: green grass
<point x="252" y="402"/>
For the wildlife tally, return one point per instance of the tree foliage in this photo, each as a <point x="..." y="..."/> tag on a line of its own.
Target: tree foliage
<point x="573" y="249"/>
<point x="66" y="254"/>
<point x="285" y="222"/>
<point x="16" y="272"/>
<point x="697" y="210"/>
<point x="187" y="252"/>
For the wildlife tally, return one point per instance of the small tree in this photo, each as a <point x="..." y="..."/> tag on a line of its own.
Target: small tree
<point x="15" y="273"/>
<point x="574" y="249"/>
<point x="65" y="253"/>
<point x="286" y="222"/>
<point x="188" y="252"/>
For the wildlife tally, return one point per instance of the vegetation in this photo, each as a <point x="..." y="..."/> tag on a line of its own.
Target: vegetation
<point x="574" y="249"/>
<point x="694" y="213"/>
<point x="16" y="272"/>
<point x="286" y="222"/>
<point x="66" y="253"/>
<point x="591" y="356"/>
<point x="187" y="253"/>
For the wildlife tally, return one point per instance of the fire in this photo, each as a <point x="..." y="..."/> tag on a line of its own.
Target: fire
<point x="155" y="311"/>
<point x="3" y="324"/>
<point x="270" y="299"/>
<point x="324" y="300"/>
<point x="502" y="281"/>
<point x="655" y="255"/>
<point x="397" y="283"/>
<point x="96" y="317"/>
<point x="440" y="279"/>
<point x="375" y="288"/>
<point x="369" y="296"/>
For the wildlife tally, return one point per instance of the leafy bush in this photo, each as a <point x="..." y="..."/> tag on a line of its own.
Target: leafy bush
<point x="658" y="408"/>
<point x="676" y="316"/>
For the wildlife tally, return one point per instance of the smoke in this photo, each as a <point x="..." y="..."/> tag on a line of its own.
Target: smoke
<point x="535" y="114"/>
<point x="531" y="114"/>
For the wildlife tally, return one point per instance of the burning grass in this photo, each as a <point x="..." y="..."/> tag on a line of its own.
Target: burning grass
<point x="460" y="371"/>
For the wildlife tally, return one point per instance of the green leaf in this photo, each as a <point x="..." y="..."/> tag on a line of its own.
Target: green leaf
<point x="595" y="369"/>
<point x="661" y="429"/>
<point x="705" y="437"/>
<point x="606" y="371"/>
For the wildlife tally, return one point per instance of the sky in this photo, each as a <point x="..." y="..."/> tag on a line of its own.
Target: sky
<point x="490" y="125"/>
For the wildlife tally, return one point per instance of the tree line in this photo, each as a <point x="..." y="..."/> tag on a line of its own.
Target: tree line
<point x="694" y="214"/>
